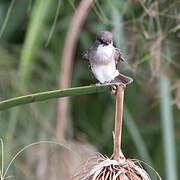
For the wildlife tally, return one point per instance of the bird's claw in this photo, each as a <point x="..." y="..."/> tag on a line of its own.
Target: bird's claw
<point x="96" y="85"/>
<point x="115" y="87"/>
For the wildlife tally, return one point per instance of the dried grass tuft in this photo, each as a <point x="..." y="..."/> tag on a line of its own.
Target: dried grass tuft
<point x="103" y="168"/>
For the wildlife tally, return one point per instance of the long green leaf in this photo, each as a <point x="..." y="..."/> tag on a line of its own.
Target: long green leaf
<point x="136" y="136"/>
<point x="2" y="158"/>
<point x="42" y="96"/>
<point x="7" y="17"/>
<point x="54" y="23"/>
<point x="34" y="37"/>
<point x="167" y="129"/>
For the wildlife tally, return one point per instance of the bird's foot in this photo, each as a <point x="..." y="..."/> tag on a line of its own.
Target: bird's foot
<point x="114" y="88"/>
<point x="96" y="85"/>
<point x="99" y="84"/>
<point x="107" y="82"/>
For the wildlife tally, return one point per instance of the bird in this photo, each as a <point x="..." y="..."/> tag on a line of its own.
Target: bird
<point x="103" y="58"/>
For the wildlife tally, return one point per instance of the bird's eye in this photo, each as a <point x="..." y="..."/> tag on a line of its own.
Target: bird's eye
<point x="100" y="40"/>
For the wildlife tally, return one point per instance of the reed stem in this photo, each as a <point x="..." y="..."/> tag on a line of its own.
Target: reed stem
<point x="118" y="121"/>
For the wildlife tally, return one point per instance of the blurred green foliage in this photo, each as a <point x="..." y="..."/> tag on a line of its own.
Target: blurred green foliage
<point x="148" y="33"/>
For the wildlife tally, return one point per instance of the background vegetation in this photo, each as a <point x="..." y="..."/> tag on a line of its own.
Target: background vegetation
<point x="34" y="44"/>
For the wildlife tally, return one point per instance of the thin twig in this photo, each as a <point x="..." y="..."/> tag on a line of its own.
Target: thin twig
<point x="118" y="121"/>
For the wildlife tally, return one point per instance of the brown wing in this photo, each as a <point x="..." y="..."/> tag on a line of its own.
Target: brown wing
<point x="85" y="54"/>
<point x="118" y="56"/>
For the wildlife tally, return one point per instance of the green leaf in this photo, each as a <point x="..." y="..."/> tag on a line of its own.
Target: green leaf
<point x="167" y="128"/>
<point x="42" y="96"/>
<point x="34" y="37"/>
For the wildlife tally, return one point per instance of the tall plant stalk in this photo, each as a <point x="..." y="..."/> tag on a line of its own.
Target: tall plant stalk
<point x="118" y="121"/>
<point x="68" y="61"/>
<point x="167" y="129"/>
<point x="33" y="39"/>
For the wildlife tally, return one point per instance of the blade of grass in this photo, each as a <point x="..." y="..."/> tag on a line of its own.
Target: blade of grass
<point x="42" y="96"/>
<point x="34" y="37"/>
<point x="100" y="13"/>
<point x="36" y="143"/>
<point x="2" y="158"/>
<point x="118" y="27"/>
<point x="167" y="129"/>
<point x="7" y="17"/>
<point x="30" y="6"/>
<point x="15" y="21"/>
<point x="136" y="137"/>
<point x="54" y="23"/>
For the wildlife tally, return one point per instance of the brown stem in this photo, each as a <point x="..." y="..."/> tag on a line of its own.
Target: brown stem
<point x="67" y="62"/>
<point x="118" y="121"/>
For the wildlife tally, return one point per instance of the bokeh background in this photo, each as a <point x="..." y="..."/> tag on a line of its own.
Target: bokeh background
<point x="41" y="42"/>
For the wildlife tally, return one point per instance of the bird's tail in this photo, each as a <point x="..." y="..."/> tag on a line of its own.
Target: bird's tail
<point x="122" y="78"/>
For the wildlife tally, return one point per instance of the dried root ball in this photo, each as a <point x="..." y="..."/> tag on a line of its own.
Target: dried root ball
<point x="101" y="168"/>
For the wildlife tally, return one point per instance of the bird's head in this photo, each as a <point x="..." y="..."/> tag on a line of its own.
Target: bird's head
<point x="104" y="37"/>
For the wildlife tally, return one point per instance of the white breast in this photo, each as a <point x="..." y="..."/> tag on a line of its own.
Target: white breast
<point x="104" y="54"/>
<point x="105" y="72"/>
<point x="103" y="63"/>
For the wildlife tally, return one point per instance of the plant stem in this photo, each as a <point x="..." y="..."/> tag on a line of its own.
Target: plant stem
<point x="167" y="123"/>
<point x="118" y="121"/>
<point x="7" y="18"/>
<point x="33" y="39"/>
<point x="42" y="96"/>
<point x="67" y="62"/>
